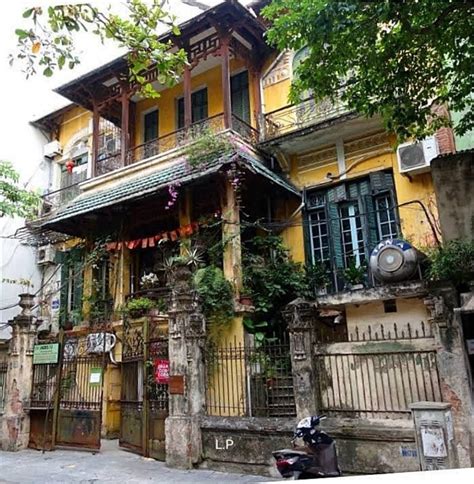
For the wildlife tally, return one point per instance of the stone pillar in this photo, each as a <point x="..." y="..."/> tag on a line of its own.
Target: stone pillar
<point x="16" y="420"/>
<point x="453" y="368"/>
<point x="300" y="316"/>
<point x="187" y="373"/>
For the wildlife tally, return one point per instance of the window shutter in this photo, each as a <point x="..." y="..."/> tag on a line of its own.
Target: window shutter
<point x="78" y="274"/>
<point x="335" y="228"/>
<point x="372" y="236"/>
<point x="63" y="293"/>
<point x="381" y="181"/>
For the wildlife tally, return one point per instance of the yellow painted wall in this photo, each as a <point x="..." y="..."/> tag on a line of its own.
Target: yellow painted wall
<point x="75" y="120"/>
<point x="382" y="155"/>
<point x="411" y="311"/>
<point x="167" y="102"/>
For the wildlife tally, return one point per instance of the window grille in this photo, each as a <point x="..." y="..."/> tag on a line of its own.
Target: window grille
<point x="352" y="234"/>
<point x="386" y="222"/>
<point x="319" y="235"/>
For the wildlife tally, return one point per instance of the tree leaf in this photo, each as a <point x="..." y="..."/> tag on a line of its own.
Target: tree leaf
<point x="48" y="72"/>
<point x="27" y="13"/>
<point x="22" y="34"/>
<point x="35" y="48"/>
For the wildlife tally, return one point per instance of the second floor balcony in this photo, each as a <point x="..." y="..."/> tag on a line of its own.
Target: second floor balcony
<point x="176" y="141"/>
<point x="304" y="115"/>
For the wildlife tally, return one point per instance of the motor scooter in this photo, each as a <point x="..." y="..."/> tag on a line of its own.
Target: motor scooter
<point x="316" y="459"/>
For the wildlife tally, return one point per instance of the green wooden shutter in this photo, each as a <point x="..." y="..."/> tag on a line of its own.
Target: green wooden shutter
<point x="335" y="228"/>
<point x="63" y="293"/>
<point x="240" y="96"/>
<point x="78" y="274"/>
<point x="372" y="235"/>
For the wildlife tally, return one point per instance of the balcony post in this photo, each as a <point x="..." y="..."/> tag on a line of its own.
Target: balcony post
<point x="125" y="126"/>
<point x="95" y="139"/>
<point x="257" y="96"/>
<point x="225" y="62"/>
<point x="188" y="113"/>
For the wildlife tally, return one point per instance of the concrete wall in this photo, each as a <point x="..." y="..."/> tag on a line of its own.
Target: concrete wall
<point x="453" y="178"/>
<point x="364" y="446"/>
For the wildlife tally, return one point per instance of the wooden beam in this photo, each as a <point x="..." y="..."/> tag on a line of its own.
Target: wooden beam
<point x="95" y="139"/>
<point x="225" y="63"/>
<point x="125" y="133"/>
<point x="188" y="113"/>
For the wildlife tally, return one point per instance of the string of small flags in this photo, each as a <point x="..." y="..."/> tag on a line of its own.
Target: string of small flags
<point x="150" y="242"/>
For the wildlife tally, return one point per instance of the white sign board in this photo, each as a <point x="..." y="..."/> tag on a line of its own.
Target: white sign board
<point x="433" y="442"/>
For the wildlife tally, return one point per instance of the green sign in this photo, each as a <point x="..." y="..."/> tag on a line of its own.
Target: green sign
<point x="43" y="354"/>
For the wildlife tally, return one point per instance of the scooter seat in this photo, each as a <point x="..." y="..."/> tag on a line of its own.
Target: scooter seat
<point x="289" y="451"/>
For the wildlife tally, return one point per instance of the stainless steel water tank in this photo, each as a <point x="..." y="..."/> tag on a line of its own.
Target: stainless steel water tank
<point x="394" y="260"/>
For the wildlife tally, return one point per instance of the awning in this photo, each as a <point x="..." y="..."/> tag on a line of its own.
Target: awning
<point x="180" y="173"/>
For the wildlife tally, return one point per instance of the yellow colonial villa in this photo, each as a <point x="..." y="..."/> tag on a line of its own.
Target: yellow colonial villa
<point x="220" y="161"/>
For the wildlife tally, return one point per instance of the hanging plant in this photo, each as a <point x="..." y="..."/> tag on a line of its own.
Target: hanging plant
<point x="206" y="148"/>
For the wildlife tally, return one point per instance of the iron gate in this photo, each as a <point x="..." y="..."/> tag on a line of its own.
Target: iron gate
<point x="144" y="402"/>
<point x="66" y="398"/>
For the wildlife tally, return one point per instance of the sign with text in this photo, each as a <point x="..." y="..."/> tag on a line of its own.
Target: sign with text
<point x="162" y="371"/>
<point x="44" y="354"/>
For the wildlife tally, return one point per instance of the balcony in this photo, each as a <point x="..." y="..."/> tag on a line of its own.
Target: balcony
<point x="297" y="117"/>
<point x="176" y="140"/>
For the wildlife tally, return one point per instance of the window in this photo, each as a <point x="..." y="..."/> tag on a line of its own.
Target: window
<point x="150" y="126"/>
<point x="319" y="235"/>
<point x="346" y="221"/>
<point x="352" y="234"/>
<point x="199" y="107"/>
<point x="240" y="96"/>
<point x="386" y="222"/>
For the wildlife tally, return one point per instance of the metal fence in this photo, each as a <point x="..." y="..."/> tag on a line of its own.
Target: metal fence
<point x="252" y="380"/>
<point x="376" y="385"/>
<point x="340" y="333"/>
<point x="44" y="385"/>
<point x="3" y="383"/>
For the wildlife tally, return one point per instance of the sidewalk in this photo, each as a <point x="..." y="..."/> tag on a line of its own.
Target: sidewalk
<point x="111" y="464"/>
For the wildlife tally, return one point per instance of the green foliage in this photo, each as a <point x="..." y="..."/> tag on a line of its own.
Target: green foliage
<point x="454" y="262"/>
<point x="139" y="306"/>
<point x="14" y="200"/>
<point x="317" y="275"/>
<point x="272" y="279"/>
<point x="355" y="274"/>
<point x="216" y="294"/>
<point x="48" y="45"/>
<point x="207" y="147"/>
<point x="396" y="59"/>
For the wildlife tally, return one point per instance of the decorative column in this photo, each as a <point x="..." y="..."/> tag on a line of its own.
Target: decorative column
<point x="187" y="373"/>
<point x="231" y="236"/>
<point x="16" y="420"/>
<point x="452" y="368"/>
<point x="299" y="316"/>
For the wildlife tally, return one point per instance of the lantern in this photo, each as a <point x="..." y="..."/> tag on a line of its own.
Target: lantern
<point x="70" y="165"/>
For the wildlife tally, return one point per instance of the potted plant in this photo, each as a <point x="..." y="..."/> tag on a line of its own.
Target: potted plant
<point x="318" y="278"/>
<point x="139" y="306"/>
<point x="246" y="297"/>
<point x="355" y="275"/>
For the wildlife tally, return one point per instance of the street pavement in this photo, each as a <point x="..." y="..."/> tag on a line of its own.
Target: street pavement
<point x="109" y="465"/>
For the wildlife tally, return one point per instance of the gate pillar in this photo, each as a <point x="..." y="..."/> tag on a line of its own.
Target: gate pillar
<point x="16" y="420"/>
<point x="187" y="373"/>
<point x="299" y="316"/>
<point x="453" y="369"/>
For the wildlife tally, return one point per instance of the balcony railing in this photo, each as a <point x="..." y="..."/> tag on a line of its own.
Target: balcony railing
<point x="177" y="139"/>
<point x="55" y="199"/>
<point x="299" y="116"/>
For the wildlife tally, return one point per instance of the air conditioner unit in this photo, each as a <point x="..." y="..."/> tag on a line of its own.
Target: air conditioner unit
<point x="45" y="255"/>
<point x="414" y="158"/>
<point x="52" y="149"/>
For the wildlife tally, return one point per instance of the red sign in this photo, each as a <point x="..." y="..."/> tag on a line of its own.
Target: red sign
<point x="162" y="371"/>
